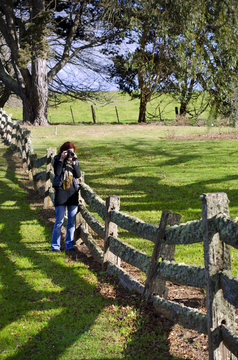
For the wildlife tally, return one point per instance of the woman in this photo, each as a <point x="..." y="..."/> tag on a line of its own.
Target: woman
<point x="66" y="169"/>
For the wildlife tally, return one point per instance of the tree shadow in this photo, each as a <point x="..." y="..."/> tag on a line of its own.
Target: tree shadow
<point x="149" y="192"/>
<point x="76" y="303"/>
<point x="73" y="314"/>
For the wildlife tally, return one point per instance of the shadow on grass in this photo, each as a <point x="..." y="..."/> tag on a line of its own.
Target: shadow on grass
<point x="73" y="302"/>
<point x="76" y="302"/>
<point x="146" y="188"/>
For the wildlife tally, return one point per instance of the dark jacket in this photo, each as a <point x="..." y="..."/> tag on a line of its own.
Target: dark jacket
<point x="68" y="196"/>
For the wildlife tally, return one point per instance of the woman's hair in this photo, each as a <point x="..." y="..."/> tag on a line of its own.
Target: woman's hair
<point x="66" y="146"/>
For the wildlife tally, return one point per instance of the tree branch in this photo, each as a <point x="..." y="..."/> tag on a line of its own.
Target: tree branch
<point x="8" y="80"/>
<point x="66" y="54"/>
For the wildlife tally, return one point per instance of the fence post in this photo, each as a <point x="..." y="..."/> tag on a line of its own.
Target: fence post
<point x="154" y="285"/>
<point x="150" y="280"/>
<point x="1" y="121"/>
<point x="80" y="222"/>
<point x="14" y="135"/>
<point x="25" y="153"/>
<point x="18" y="138"/>
<point x="94" y="114"/>
<point x="4" y="127"/>
<point x="112" y="203"/>
<point x="29" y="151"/>
<point x="33" y="158"/>
<point x="118" y="120"/>
<point x="9" y="130"/>
<point x="216" y="259"/>
<point x="48" y="185"/>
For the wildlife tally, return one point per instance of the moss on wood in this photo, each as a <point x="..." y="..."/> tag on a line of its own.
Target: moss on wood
<point x="188" y="233"/>
<point x="230" y="339"/>
<point x="182" y="274"/>
<point x="227" y="228"/>
<point x="229" y="285"/>
<point x="125" y="279"/>
<point x="129" y="254"/>
<point x="37" y="163"/>
<point x="186" y="316"/>
<point x="92" y="245"/>
<point x="93" y="200"/>
<point x="94" y="223"/>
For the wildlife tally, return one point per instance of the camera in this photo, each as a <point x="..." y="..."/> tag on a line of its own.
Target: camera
<point x="70" y="154"/>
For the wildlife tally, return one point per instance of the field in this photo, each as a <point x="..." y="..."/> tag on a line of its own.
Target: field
<point x="160" y="108"/>
<point x="52" y="307"/>
<point x="152" y="168"/>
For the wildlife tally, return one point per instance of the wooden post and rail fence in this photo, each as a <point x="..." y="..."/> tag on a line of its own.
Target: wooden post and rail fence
<point x="216" y="230"/>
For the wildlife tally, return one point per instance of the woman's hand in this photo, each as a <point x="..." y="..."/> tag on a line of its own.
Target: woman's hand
<point x="63" y="155"/>
<point x="74" y="159"/>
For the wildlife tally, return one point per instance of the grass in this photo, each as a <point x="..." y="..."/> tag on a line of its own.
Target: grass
<point x="105" y="110"/>
<point x="150" y="172"/>
<point x="51" y="308"/>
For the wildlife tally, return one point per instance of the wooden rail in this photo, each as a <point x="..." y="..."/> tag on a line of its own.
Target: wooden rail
<point x="216" y="230"/>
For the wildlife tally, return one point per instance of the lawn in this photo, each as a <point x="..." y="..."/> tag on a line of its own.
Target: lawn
<point x="151" y="170"/>
<point x="53" y="308"/>
<point x="106" y="110"/>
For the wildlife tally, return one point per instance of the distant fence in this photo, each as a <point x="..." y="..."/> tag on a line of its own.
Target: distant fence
<point x="216" y="230"/>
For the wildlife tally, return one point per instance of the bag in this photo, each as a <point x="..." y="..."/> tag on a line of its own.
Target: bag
<point x="76" y="184"/>
<point x="57" y="181"/>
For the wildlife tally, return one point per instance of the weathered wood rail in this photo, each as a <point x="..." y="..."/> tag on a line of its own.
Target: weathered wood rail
<point x="216" y="230"/>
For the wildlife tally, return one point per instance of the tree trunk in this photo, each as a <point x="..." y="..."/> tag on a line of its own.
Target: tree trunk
<point x="36" y="91"/>
<point x="36" y="98"/>
<point x="186" y="97"/>
<point x="183" y="108"/>
<point x="5" y="94"/>
<point x="143" y="104"/>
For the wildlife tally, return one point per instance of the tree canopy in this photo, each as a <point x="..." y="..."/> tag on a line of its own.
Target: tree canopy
<point x="179" y="45"/>
<point x="40" y="38"/>
<point x="155" y="45"/>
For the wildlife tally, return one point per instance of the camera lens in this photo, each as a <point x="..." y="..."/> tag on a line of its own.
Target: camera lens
<point x="70" y="153"/>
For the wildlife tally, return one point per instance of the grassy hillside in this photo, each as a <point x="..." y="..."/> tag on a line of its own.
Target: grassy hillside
<point x="151" y="170"/>
<point x="162" y="107"/>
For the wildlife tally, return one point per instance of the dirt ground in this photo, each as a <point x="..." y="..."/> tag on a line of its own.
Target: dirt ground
<point x="183" y="343"/>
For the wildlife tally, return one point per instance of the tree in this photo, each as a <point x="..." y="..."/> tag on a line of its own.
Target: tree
<point x="42" y="37"/>
<point x="184" y="80"/>
<point x="180" y="44"/>
<point x="147" y="67"/>
<point x="217" y="44"/>
<point x="5" y="58"/>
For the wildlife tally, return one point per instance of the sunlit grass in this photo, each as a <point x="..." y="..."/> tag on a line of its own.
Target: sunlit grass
<point x="50" y="307"/>
<point x="113" y="105"/>
<point x="151" y="173"/>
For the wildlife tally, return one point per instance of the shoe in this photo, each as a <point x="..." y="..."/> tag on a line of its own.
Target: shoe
<point x="55" y="250"/>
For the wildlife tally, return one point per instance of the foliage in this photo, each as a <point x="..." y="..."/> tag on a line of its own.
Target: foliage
<point x="215" y="37"/>
<point x="180" y="45"/>
<point x="148" y="66"/>
<point x="41" y="38"/>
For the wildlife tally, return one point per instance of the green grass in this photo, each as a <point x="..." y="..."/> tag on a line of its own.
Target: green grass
<point x="51" y="308"/>
<point x="128" y="109"/>
<point x="151" y="173"/>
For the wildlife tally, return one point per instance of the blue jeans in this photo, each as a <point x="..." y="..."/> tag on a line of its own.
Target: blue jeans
<point x="59" y="219"/>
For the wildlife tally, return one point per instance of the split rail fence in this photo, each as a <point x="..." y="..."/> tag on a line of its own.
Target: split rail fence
<point x="216" y="230"/>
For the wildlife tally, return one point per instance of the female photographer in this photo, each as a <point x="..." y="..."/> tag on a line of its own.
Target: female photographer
<point x="65" y="183"/>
